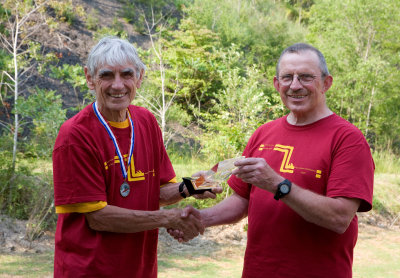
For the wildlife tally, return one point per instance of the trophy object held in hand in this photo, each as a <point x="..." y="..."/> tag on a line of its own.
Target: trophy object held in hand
<point x="212" y="178"/>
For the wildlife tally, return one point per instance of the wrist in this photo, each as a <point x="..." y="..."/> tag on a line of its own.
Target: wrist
<point x="183" y="191"/>
<point x="283" y="189"/>
<point x="168" y="217"/>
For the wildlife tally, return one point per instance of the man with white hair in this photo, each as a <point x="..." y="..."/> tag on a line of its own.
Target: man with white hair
<point x="112" y="174"/>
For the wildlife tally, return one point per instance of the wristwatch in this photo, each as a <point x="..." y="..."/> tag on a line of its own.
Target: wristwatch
<point x="181" y="190"/>
<point x="283" y="189"/>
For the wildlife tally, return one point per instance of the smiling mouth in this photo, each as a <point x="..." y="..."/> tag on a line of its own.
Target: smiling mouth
<point x="117" y="95"/>
<point x="297" y="96"/>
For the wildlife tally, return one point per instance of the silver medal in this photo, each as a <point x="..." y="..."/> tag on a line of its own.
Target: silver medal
<point x="124" y="189"/>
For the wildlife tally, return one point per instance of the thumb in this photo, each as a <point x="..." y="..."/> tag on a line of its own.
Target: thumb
<point x="191" y="210"/>
<point x="186" y="211"/>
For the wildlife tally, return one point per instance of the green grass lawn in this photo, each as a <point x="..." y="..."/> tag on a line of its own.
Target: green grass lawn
<point x="26" y="265"/>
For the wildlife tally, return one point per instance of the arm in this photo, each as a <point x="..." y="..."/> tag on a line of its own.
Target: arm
<point x="120" y="220"/>
<point x="230" y="210"/>
<point x="331" y="213"/>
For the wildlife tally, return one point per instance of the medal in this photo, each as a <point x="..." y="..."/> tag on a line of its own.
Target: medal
<point x="124" y="189"/>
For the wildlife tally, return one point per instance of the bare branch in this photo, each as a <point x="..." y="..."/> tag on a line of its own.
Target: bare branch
<point x="5" y="125"/>
<point x="150" y="103"/>
<point x="8" y="75"/>
<point x="26" y="17"/>
<point x="5" y="43"/>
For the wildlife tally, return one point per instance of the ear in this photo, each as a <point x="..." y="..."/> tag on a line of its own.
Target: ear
<point x="140" y="79"/>
<point x="327" y="83"/>
<point x="89" y="79"/>
<point x="276" y="83"/>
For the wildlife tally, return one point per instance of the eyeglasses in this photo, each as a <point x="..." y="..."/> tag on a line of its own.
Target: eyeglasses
<point x="304" y="79"/>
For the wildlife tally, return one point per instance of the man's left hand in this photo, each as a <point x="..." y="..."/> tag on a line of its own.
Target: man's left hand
<point x="257" y="172"/>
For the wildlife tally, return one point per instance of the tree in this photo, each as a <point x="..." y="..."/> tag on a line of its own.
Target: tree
<point x="19" y="29"/>
<point x="242" y="104"/>
<point x="259" y="28"/>
<point x="360" y="41"/>
<point x="180" y="74"/>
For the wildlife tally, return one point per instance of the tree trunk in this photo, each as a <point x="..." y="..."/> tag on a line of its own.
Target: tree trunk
<point x="369" y="111"/>
<point x="16" y="115"/>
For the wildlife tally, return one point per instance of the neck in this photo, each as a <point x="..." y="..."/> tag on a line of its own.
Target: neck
<point x="113" y="115"/>
<point x="299" y="119"/>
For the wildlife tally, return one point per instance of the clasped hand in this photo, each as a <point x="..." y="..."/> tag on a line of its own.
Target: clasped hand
<point x="189" y="225"/>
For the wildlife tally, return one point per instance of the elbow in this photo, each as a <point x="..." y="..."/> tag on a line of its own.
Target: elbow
<point x="340" y="229"/>
<point x="340" y="225"/>
<point x="94" y="222"/>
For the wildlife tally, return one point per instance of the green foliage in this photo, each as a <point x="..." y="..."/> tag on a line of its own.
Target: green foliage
<point x="386" y="161"/>
<point x="73" y="74"/>
<point x="25" y="195"/>
<point x="45" y="110"/>
<point x="109" y="31"/>
<point x="259" y="28"/>
<point x="298" y="10"/>
<point x="364" y="63"/>
<point x="67" y="11"/>
<point x="139" y="11"/>
<point x="242" y="104"/>
<point x="92" y="20"/>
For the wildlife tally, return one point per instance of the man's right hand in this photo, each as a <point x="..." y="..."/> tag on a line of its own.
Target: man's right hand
<point x="191" y="220"/>
<point x="186" y="224"/>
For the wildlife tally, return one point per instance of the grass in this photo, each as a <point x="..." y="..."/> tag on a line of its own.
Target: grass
<point x="201" y="266"/>
<point x="26" y="265"/>
<point x="377" y="253"/>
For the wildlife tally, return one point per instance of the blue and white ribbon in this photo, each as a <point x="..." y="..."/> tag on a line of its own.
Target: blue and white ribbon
<point x="111" y="134"/>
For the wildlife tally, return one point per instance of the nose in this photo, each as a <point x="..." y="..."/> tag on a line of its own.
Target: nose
<point x="118" y="82"/>
<point x="295" y="83"/>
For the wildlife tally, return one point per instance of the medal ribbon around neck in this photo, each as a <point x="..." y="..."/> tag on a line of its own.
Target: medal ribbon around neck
<point x="111" y="134"/>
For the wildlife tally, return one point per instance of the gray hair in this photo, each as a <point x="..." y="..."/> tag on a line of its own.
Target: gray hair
<point x="302" y="47"/>
<point x="113" y="51"/>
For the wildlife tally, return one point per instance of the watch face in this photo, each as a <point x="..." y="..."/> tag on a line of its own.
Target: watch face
<point x="284" y="188"/>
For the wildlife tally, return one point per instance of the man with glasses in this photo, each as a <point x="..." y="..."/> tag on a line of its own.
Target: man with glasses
<point x="304" y="177"/>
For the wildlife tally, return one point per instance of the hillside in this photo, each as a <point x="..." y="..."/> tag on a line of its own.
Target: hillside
<point x="72" y="42"/>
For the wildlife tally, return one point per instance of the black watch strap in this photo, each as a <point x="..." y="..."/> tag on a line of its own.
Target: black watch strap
<point x="283" y="189"/>
<point x="181" y="190"/>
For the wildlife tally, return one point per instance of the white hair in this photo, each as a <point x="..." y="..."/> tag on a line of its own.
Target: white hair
<point x="113" y="51"/>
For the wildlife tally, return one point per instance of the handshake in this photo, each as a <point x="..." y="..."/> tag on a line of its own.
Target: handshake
<point x="189" y="222"/>
<point x="185" y="224"/>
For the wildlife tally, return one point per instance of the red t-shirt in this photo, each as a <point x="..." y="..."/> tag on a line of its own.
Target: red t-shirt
<point x="330" y="157"/>
<point x="86" y="168"/>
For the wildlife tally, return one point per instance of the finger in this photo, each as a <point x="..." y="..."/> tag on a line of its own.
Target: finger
<point x="196" y="213"/>
<point x="246" y="161"/>
<point x="199" y="174"/>
<point x="187" y="211"/>
<point x="217" y="190"/>
<point x="175" y="233"/>
<point x="205" y="195"/>
<point x="198" y="225"/>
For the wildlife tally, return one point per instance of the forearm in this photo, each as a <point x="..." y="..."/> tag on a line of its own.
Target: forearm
<point x="331" y="213"/>
<point x="120" y="220"/>
<point x="169" y="194"/>
<point x="229" y="211"/>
